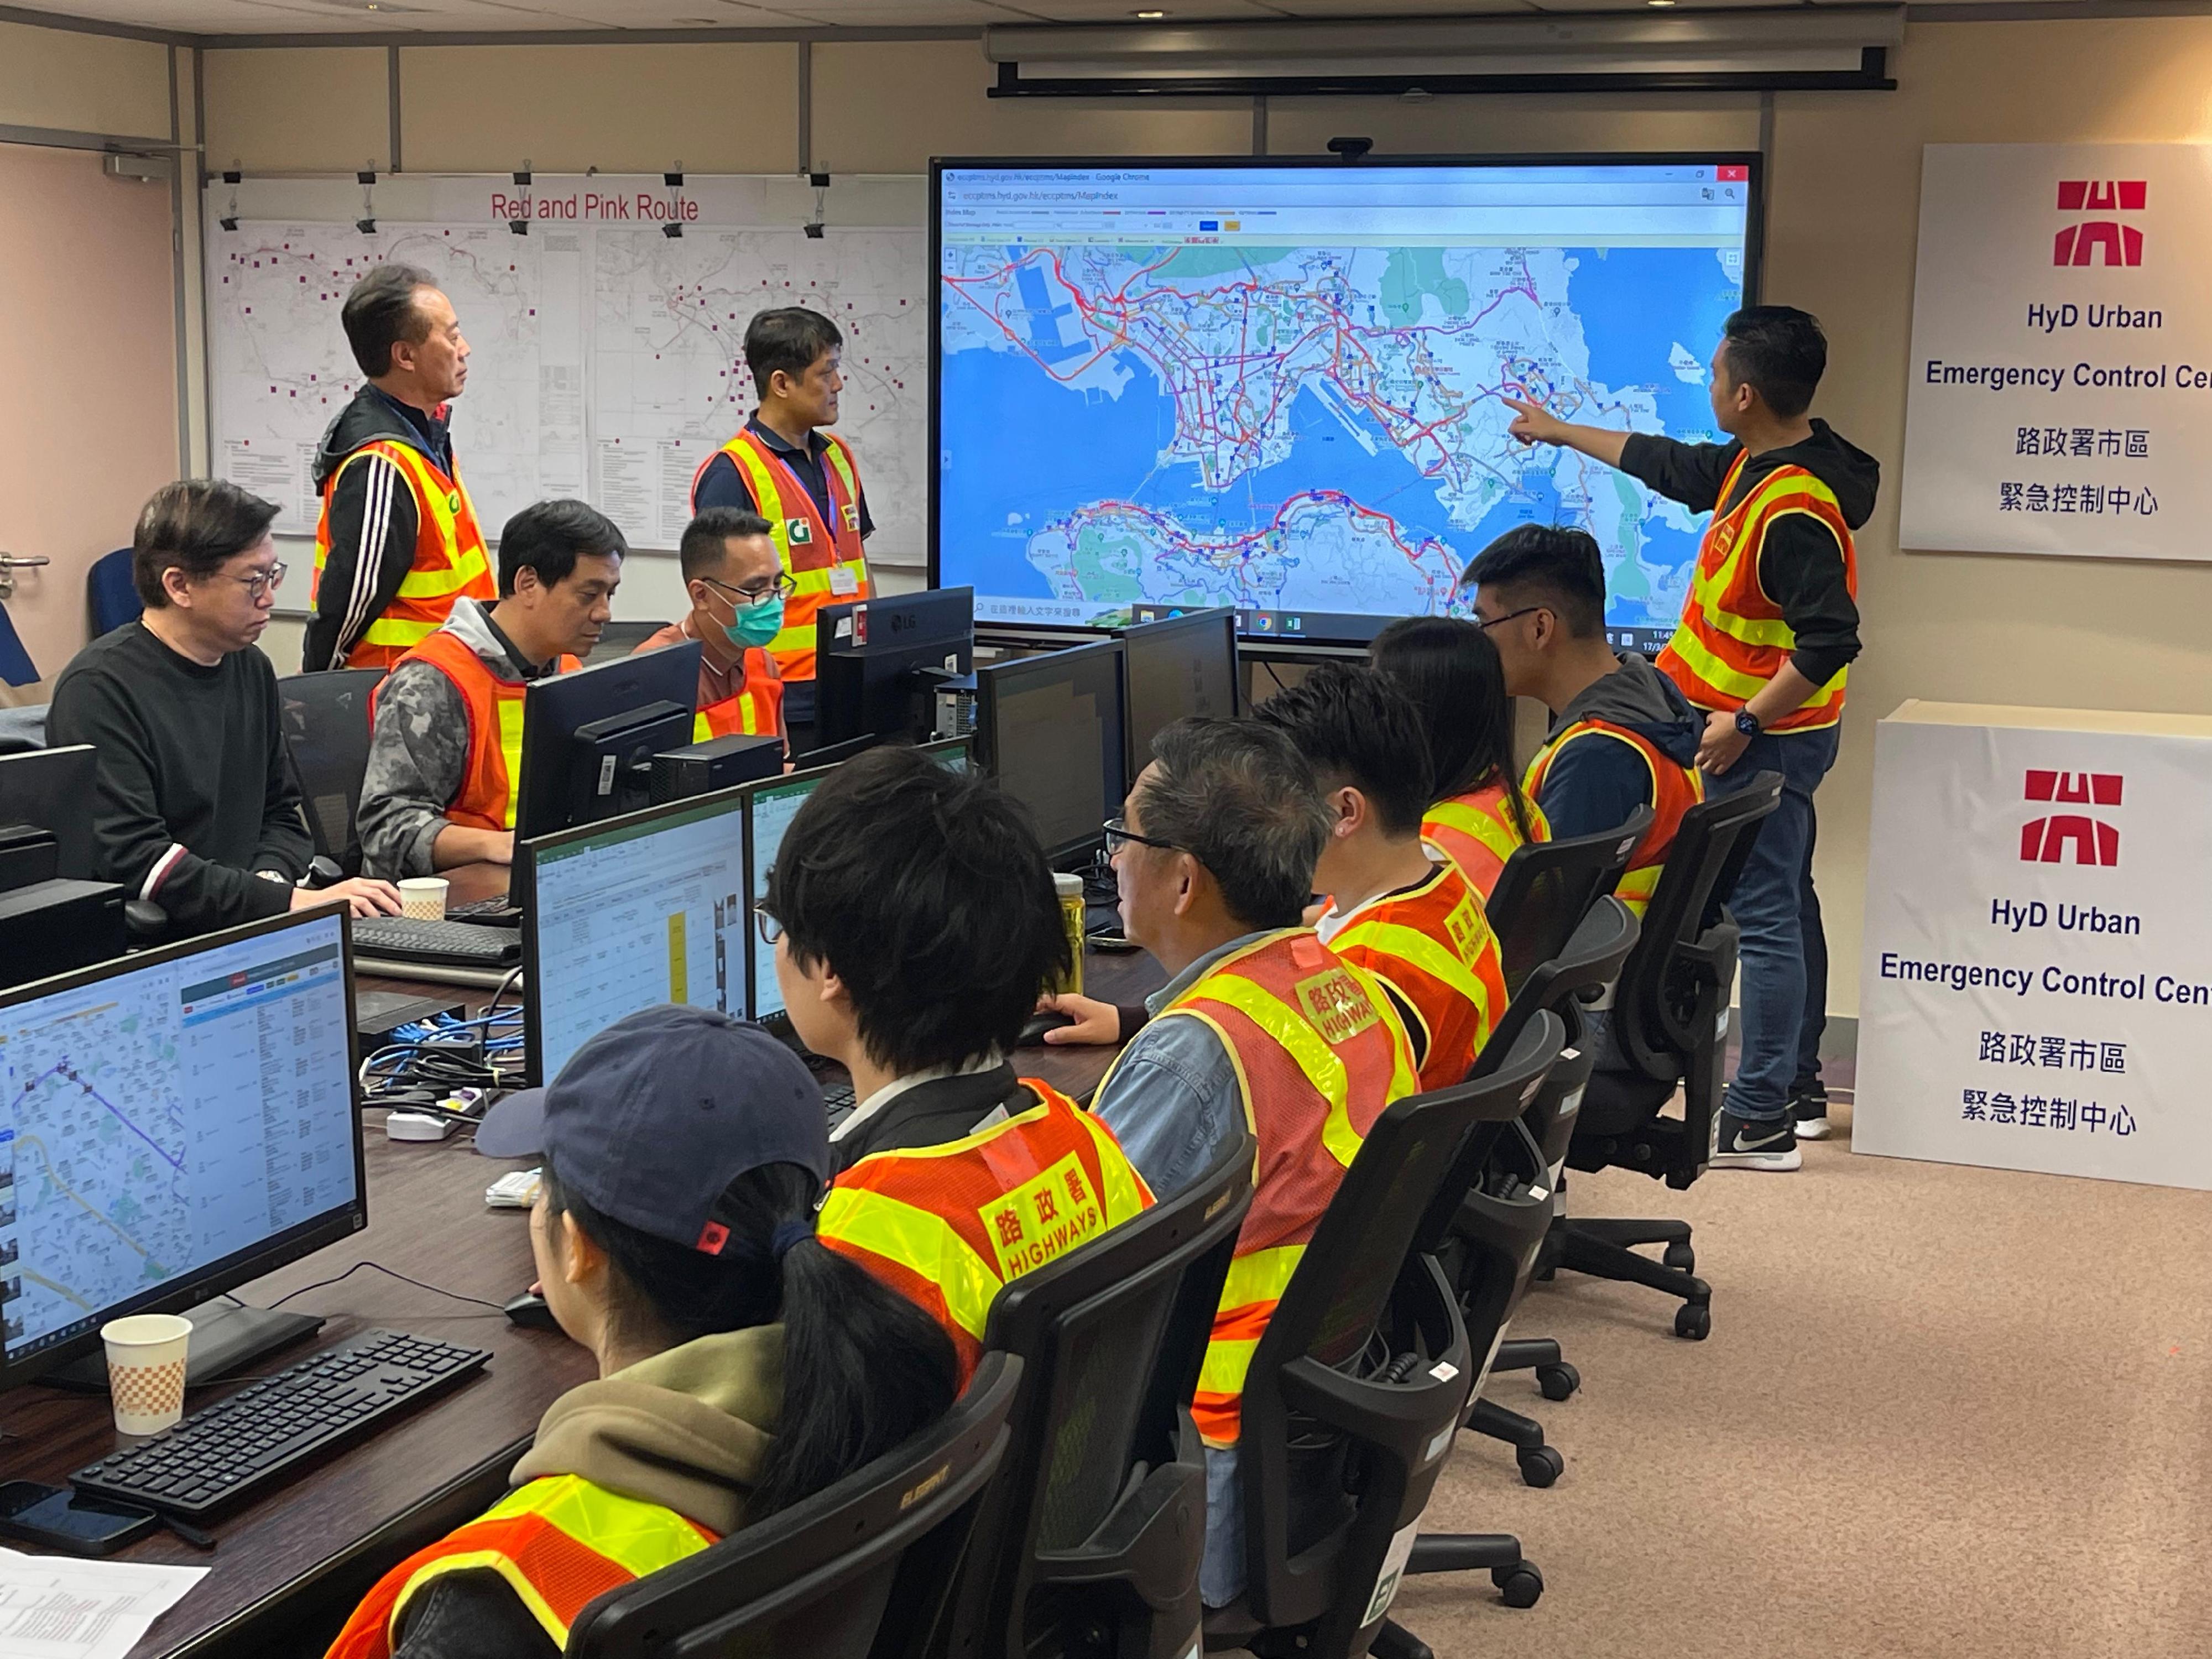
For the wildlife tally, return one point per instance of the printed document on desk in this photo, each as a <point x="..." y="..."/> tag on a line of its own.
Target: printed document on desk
<point x="56" y="1606"/>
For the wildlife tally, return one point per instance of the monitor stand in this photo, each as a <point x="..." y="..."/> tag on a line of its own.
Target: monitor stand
<point x="226" y="1335"/>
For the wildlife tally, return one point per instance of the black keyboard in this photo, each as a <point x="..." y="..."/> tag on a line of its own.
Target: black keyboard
<point x="238" y="1447"/>
<point x="486" y="913"/>
<point x="440" y="943"/>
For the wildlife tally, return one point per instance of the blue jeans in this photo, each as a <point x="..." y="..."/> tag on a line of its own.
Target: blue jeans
<point x="1785" y="952"/>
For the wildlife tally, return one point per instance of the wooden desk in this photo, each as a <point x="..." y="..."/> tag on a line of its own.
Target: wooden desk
<point x="291" y="1565"/>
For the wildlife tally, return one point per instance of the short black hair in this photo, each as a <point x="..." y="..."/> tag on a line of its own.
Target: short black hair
<point x="1239" y="797"/>
<point x="195" y="525"/>
<point x="926" y="891"/>
<point x="706" y="538"/>
<point x="1779" y="352"/>
<point x="549" y="537"/>
<point x="379" y="312"/>
<point x="1557" y="567"/>
<point x="1352" y="723"/>
<point x="789" y="338"/>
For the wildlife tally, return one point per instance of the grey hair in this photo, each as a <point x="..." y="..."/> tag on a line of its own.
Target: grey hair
<point x="1239" y="797"/>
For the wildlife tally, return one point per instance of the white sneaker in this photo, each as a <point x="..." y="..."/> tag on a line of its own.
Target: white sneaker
<point x="1814" y="1128"/>
<point x="1811" y="1112"/>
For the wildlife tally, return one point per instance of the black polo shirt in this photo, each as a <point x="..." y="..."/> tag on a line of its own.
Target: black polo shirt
<point x="722" y="485"/>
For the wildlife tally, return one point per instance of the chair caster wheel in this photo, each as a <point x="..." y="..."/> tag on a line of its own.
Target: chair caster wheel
<point x="1540" y="1466"/>
<point x="1693" y="1320"/>
<point x="1680" y="1256"/>
<point x="1558" y="1381"/>
<point x="1546" y="1275"/>
<point x="1520" y="1584"/>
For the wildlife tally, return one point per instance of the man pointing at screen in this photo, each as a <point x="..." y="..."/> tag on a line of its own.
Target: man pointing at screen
<point x="1768" y="630"/>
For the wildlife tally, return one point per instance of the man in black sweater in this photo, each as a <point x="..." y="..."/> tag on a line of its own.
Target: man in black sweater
<point x="193" y="807"/>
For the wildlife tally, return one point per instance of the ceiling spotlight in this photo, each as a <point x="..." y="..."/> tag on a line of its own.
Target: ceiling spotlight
<point x="1660" y="4"/>
<point x="1149" y="17"/>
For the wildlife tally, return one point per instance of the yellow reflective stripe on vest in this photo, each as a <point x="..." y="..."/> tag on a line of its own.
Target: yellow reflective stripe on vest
<point x="919" y="1239"/>
<point x="510" y="748"/>
<point x="768" y="501"/>
<point x="1124" y="1198"/>
<point x="835" y="450"/>
<point x="637" y="1536"/>
<point x="1430" y="956"/>
<point x="1306" y="1047"/>
<point x="391" y="630"/>
<point x="1477" y="824"/>
<point x="1636" y="887"/>
<point x="467" y="565"/>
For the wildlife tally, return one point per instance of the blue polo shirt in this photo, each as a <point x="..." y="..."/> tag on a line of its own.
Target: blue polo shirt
<point x="722" y="485"/>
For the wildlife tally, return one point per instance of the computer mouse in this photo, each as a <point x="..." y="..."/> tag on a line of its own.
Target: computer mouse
<point x="532" y="1313"/>
<point x="1037" y="1024"/>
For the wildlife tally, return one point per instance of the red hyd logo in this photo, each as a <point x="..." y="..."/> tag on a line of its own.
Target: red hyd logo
<point x="2121" y="243"/>
<point x="2043" y="840"/>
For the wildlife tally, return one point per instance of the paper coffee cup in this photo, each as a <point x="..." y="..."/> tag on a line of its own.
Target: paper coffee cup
<point x="146" y="1369"/>
<point x="423" y="896"/>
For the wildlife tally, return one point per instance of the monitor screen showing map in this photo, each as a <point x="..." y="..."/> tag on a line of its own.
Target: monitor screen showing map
<point x="172" y="1125"/>
<point x="1279" y="387"/>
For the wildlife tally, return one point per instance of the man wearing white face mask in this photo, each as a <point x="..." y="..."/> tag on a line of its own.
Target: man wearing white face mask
<point x="738" y="587"/>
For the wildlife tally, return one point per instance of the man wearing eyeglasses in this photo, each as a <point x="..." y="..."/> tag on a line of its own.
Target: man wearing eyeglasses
<point x="738" y="587"/>
<point x="193" y="807"/>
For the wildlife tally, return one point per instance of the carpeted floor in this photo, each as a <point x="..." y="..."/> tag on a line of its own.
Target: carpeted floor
<point x="1943" y="1411"/>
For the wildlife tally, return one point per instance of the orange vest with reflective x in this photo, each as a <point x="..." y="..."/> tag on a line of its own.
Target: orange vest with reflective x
<point x="755" y="710"/>
<point x="1476" y="832"/>
<point x="1675" y="790"/>
<point x="558" y="1542"/>
<point x="1732" y="638"/>
<point x="451" y="561"/>
<point x="1433" y="946"/>
<point x="493" y="704"/>
<point x="947" y="1226"/>
<point x="1319" y="1053"/>
<point x="826" y="561"/>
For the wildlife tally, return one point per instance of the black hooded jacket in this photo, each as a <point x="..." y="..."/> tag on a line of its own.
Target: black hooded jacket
<point x="1594" y="781"/>
<point x="1801" y="566"/>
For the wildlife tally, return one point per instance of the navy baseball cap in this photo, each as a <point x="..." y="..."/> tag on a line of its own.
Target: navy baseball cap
<point x="651" y="1120"/>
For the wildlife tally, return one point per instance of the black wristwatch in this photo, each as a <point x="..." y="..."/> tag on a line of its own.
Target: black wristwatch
<point x="1746" y="722"/>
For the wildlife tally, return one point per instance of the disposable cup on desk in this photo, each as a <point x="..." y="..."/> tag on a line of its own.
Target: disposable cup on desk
<point x="146" y="1369"/>
<point x="423" y="896"/>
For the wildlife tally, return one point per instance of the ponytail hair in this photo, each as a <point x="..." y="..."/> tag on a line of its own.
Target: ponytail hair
<point x="863" y="1367"/>
<point x="1450" y="670"/>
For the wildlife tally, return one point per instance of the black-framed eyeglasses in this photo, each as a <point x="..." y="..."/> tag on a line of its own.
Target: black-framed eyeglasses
<point x="781" y="588"/>
<point x="766" y="924"/>
<point x="1119" y="835"/>
<point x="1525" y="611"/>
<point x="262" y="581"/>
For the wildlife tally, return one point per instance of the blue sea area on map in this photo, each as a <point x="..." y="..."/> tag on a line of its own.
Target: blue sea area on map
<point x="1636" y="304"/>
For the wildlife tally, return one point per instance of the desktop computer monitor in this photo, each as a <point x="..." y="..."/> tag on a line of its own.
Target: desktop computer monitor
<point x="172" y="1125"/>
<point x="646" y="909"/>
<point x="588" y="738"/>
<point x="51" y="789"/>
<point x="1176" y="663"/>
<point x="870" y="660"/>
<point x="1049" y="728"/>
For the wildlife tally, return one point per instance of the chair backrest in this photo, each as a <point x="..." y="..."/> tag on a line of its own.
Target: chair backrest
<point x="859" y="1570"/>
<point x="620" y="638"/>
<point x="1547" y="887"/>
<point x="1363" y="1363"/>
<point x="326" y="724"/>
<point x="1586" y="963"/>
<point x="110" y="594"/>
<point x="1096" y="1523"/>
<point x="1659" y="1015"/>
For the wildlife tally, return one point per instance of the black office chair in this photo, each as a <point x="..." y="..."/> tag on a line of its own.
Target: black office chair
<point x="1089" y="1540"/>
<point x="620" y="638"/>
<point x="326" y="724"/>
<point x="1358" y="1385"/>
<point x="859" y="1570"/>
<point x="1670" y="1021"/>
<point x="1547" y="887"/>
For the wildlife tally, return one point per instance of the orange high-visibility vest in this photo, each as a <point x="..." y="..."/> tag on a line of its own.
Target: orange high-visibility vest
<point x="1675" y="790"/>
<point x="826" y="561"/>
<point x="450" y="560"/>
<point x="947" y="1226"/>
<point x="1433" y="946"/>
<point x="1732" y="638"/>
<point x="754" y="709"/>
<point x="1476" y="832"/>
<point x="493" y="704"/>
<point x="558" y="1542"/>
<point x="1319" y="1053"/>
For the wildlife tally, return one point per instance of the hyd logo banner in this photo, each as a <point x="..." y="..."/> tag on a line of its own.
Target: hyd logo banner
<point x="2044" y="840"/>
<point x="2119" y="243"/>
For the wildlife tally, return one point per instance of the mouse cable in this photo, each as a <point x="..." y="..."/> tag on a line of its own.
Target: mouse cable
<point x="320" y="1284"/>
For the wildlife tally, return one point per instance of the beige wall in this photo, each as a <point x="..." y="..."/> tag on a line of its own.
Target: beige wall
<point x="84" y="83"/>
<point x="298" y="109"/>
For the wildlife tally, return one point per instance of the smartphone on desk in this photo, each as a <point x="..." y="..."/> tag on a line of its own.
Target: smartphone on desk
<point x="73" y="1522"/>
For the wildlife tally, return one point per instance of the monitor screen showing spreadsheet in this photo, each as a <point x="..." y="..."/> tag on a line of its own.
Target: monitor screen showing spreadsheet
<point x="170" y="1126"/>
<point x="1280" y="385"/>
<point x="637" y="911"/>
